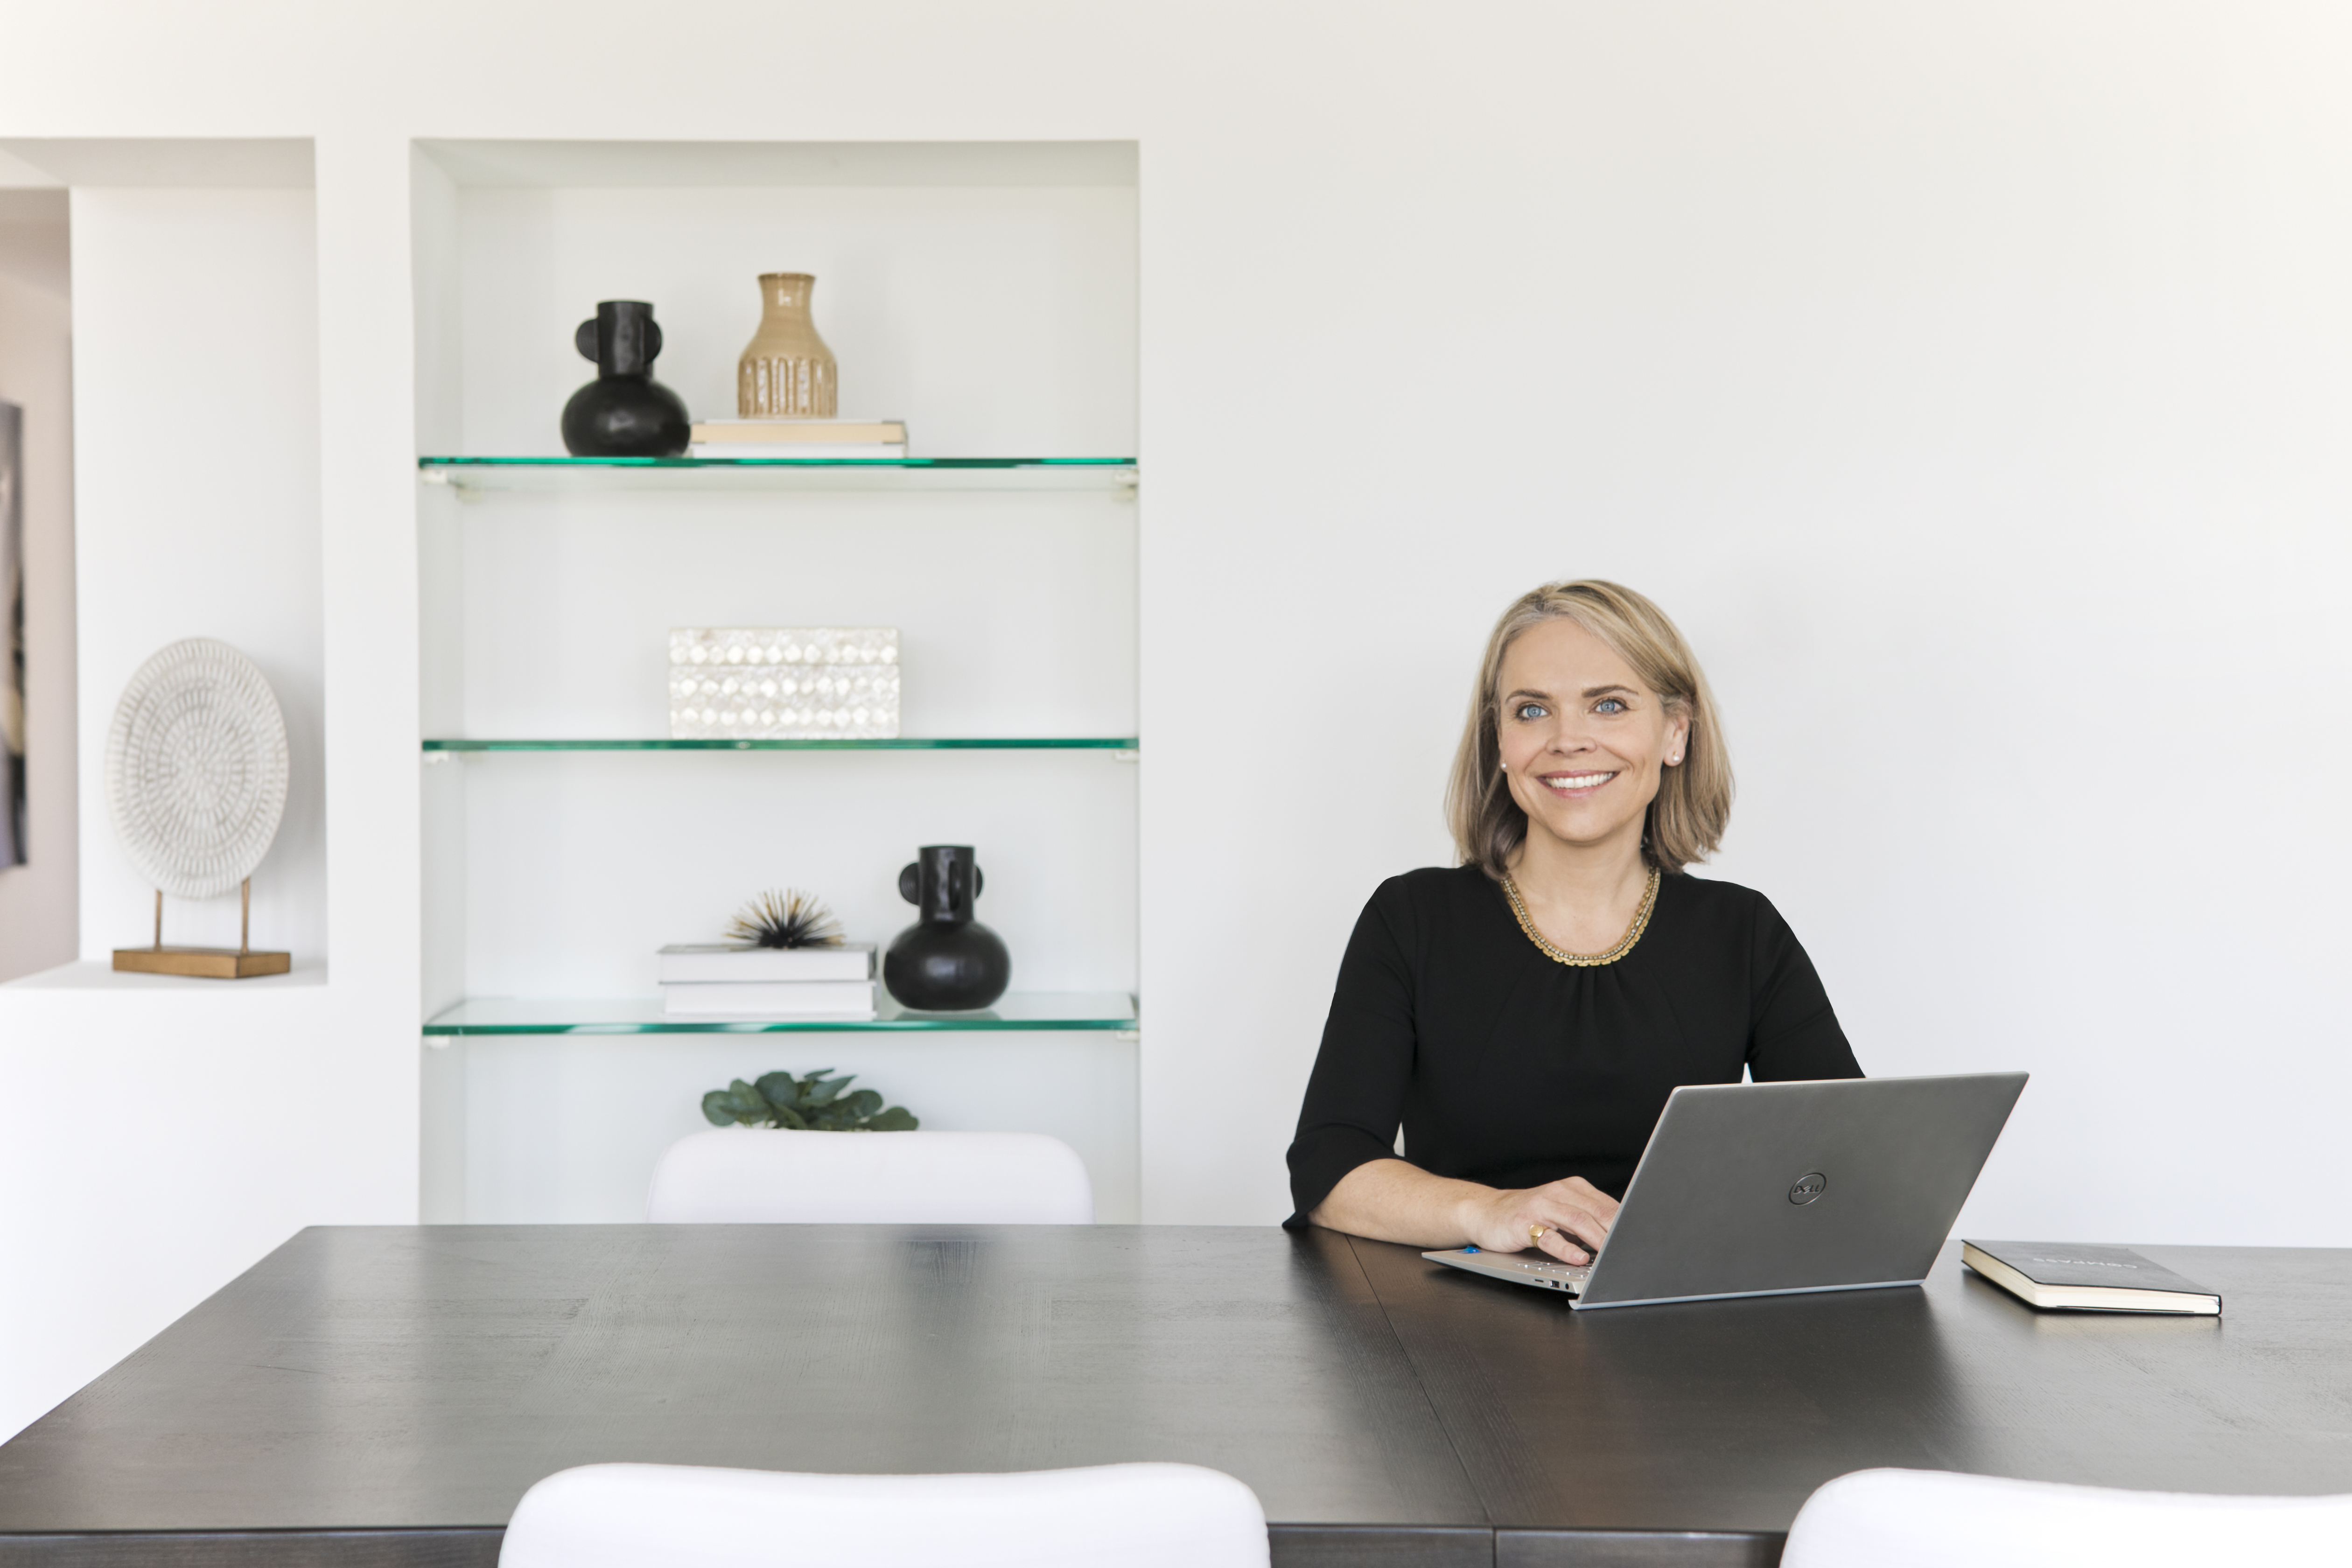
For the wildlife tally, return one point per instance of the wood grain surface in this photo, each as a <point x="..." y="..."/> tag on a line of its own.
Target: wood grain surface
<point x="380" y="1397"/>
<point x="1725" y="1415"/>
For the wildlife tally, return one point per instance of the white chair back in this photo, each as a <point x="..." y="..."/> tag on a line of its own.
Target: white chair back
<point x="754" y="1177"/>
<point x="683" y="1516"/>
<point x="1930" y="1519"/>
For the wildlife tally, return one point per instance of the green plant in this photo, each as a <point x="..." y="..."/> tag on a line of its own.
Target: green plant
<point x="810" y="1104"/>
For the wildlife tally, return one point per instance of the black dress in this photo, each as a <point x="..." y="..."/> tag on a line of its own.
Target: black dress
<point x="1508" y="1067"/>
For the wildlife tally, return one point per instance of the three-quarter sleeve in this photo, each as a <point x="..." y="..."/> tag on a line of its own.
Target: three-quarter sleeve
<point x="1795" y="1033"/>
<point x="1510" y="1069"/>
<point x="1355" y="1098"/>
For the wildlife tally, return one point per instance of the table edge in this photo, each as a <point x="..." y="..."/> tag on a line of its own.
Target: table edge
<point x="1290" y="1546"/>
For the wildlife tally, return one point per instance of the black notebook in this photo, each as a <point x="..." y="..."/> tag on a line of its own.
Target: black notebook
<point x="2086" y="1278"/>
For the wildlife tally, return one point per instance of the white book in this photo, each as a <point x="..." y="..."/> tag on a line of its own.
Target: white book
<point x="702" y="962"/>
<point x="797" y="432"/>
<point x="843" y="999"/>
<point x="797" y="449"/>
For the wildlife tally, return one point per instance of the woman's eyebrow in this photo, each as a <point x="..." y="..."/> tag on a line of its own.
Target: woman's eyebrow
<point x="1526" y="691"/>
<point x="1605" y="690"/>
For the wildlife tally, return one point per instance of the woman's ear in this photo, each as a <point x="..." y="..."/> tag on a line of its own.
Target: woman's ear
<point x="1677" y="739"/>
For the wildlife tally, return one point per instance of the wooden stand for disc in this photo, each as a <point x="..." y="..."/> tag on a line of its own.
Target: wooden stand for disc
<point x="239" y="963"/>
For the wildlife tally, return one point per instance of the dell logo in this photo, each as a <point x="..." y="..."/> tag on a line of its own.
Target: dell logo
<point x="1809" y="1186"/>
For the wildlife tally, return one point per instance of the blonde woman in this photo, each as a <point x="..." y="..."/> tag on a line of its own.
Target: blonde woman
<point x="1524" y="1015"/>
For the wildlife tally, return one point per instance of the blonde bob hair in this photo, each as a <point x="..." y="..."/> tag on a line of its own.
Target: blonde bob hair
<point x="1693" y="802"/>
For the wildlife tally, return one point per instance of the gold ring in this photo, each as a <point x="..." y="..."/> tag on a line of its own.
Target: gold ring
<point x="1538" y="1232"/>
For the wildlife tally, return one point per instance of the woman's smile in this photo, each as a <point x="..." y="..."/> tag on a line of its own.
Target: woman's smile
<point x="1574" y="786"/>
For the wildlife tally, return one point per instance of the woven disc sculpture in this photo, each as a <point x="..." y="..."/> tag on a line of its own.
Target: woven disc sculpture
<point x="195" y="769"/>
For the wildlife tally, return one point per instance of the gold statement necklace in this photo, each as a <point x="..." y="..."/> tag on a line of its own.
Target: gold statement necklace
<point x="1588" y="960"/>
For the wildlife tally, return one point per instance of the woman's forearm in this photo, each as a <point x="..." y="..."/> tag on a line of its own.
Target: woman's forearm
<point x="1389" y="1200"/>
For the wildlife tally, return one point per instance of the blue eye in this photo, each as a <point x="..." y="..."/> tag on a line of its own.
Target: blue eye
<point x="1609" y="705"/>
<point x="1526" y="711"/>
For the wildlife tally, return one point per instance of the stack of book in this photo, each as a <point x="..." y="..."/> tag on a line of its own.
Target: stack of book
<point x="804" y="438"/>
<point x="713" y="981"/>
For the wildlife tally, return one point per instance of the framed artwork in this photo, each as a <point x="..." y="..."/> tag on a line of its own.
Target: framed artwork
<point x="12" y="636"/>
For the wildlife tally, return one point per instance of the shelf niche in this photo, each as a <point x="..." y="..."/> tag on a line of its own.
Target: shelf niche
<point x="985" y="293"/>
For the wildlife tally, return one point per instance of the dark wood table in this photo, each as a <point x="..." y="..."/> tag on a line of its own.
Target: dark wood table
<point x="383" y="1396"/>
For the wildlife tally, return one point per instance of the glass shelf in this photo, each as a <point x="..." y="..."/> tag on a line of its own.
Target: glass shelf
<point x="1128" y="743"/>
<point x="482" y="474"/>
<point x="1018" y="1010"/>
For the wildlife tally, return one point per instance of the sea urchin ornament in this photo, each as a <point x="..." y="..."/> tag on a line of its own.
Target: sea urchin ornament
<point x="789" y="918"/>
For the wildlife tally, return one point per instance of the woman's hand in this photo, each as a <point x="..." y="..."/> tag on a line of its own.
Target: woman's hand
<point x="1389" y="1200"/>
<point x="1573" y="1215"/>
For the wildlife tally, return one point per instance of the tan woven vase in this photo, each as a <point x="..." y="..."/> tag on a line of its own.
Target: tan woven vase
<point x="787" y="373"/>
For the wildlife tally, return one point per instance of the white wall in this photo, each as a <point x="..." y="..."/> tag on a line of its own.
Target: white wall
<point x="157" y="1135"/>
<point x="1968" y="380"/>
<point x="155" y="1139"/>
<point x="38" y="898"/>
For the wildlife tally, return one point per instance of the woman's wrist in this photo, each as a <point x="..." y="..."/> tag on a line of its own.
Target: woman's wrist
<point x="1470" y="1213"/>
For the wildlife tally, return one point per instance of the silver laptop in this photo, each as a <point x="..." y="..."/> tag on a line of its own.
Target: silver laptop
<point x="1770" y="1189"/>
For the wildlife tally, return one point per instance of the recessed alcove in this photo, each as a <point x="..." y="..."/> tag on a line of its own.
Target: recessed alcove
<point x="196" y="344"/>
<point x="985" y="293"/>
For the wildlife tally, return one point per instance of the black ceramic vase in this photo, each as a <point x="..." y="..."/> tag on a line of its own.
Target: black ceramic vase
<point x="946" y="961"/>
<point x="625" y="412"/>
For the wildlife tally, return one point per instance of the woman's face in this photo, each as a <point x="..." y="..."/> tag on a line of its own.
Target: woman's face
<point x="1583" y="740"/>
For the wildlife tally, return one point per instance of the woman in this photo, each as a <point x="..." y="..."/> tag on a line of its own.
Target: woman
<point x="1525" y="1014"/>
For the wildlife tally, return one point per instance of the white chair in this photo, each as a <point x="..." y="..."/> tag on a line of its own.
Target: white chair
<point x="684" y="1516"/>
<point x="1930" y="1519"/>
<point x="771" y="1176"/>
